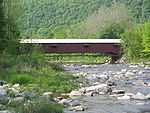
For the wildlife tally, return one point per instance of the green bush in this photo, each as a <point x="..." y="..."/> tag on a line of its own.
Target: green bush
<point x="137" y="42"/>
<point x="22" y="79"/>
<point x="39" y="106"/>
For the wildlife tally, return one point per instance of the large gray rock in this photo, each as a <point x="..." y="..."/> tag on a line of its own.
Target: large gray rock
<point x="3" y="90"/>
<point x="28" y="94"/>
<point x="75" y="103"/>
<point x="124" y="98"/>
<point x="148" y="96"/>
<point x="5" y="111"/>
<point x="64" y="102"/>
<point x="17" y="100"/>
<point x="138" y="83"/>
<point x="2" y="106"/>
<point x="76" y="108"/>
<point x="2" y="82"/>
<point x="118" y="91"/>
<point x="139" y="96"/>
<point x="75" y="94"/>
<point x="16" y="86"/>
<point x="101" y="89"/>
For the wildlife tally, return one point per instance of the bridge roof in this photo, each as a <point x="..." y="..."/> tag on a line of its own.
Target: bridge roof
<point x="41" y="41"/>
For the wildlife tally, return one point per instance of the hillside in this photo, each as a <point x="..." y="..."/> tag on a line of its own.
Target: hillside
<point x="43" y="18"/>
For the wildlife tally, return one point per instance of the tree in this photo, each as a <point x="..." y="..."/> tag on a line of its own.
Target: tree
<point x="146" y="39"/>
<point x="2" y="25"/>
<point x="11" y="31"/>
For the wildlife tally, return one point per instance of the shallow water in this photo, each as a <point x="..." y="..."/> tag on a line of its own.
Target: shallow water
<point x="108" y="104"/>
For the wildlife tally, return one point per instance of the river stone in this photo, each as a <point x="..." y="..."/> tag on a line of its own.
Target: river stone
<point x="64" y="102"/>
<point x="128" y="74"/>
<point x="92" y="79"/>
<point x="138" y="83"/>
<point x="76" y="108"/>
<point x="116" y="95"/>
<point x="148" y="84"/>
<point x="16" y="86"/>
<point x="118" y="91"/>
<point x="75" y="103"/>
<point x="89" y="94"/>
<point x="129" y="94"/>
<point x="58" y="99"/>
<point x="28" y="94"/>
<point x="47" y="93"/>
<point x="97" y="88"/>
<point x="3" y="90"/>
<point x="124" y="71"/>
<point x="110" y="82"/>
<point x="5" y="111"/>
<point x="75" y="93"/>
<point x="83" y="90"/>
<point x="139" y="96"/>
<point x="2" y="82"/>
<point x="148" y="96"/>
<point x="14" y="91"/>
<point x="124" y="98"/>
<point x="2" y="106"/>
<point x="17" y="99"/>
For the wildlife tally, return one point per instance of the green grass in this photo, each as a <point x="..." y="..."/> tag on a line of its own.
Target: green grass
<point x="78" y="57"/>
<point x="138" y="60"/>
<point x="34" y="73"/>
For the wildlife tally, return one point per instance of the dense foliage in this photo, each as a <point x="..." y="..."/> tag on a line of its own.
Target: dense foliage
<point x="46" y="18"/>
<point x="137" y="41"/>
<point x="2" y="24"/>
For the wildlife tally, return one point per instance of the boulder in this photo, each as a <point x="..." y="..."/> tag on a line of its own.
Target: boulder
<point x="2" y="107"/>
<point x="47" y="93"/>
<point x="3" y="90"/>
<point x="83" y="90"/>
<point x="75" y="103"/>
<point x="97" y="88"/>
<point x="148" y="96"/>
<point x="129" y="94"/>
<point x="89" y="94"/>
<point x="58" y="99"/>
<point x="64" y="102"/>
<point x="128" y="74"/>
<point x="5" y="111"/>
<point x="76" y="108"/>
<point x="2" y="82"/>
<point x="139" y="96"/>
<point x="138" y="83"/>
<point x="118" y="92"/>
<point x="17" y="100"/>
<point x="28" y="94"/>
<point x="124" y="98"/>
<point x="110" y="82"/>
<point x="124" y="71"/>
<point x="16" y="86"/>
<point x="14" y="91"/>
<point x="75" y="93"/>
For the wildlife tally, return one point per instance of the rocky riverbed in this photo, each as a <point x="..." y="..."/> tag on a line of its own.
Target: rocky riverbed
<point x="110" y="88"/>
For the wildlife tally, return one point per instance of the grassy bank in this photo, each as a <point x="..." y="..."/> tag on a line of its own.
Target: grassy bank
<point x="78" y="57"/>
<point x="35" y="74"/>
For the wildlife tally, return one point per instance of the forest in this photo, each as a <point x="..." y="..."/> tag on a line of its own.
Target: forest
<point x="55" y="18"/>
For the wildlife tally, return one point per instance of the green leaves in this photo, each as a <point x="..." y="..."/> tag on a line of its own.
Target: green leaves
<point x="137" y="41"/>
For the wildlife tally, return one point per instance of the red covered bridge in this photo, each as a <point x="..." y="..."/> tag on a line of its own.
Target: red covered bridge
<point x="78" y="45"/>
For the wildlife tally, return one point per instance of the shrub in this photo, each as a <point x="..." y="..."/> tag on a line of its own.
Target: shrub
<point x="22" y="79"/>
<point x="39" y="106"/>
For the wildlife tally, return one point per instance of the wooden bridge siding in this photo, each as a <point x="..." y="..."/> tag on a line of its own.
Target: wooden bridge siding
<point x="79" y="48"/>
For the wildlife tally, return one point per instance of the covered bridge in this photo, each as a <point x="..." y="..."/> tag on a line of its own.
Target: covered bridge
<point x="112" y="46"/>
